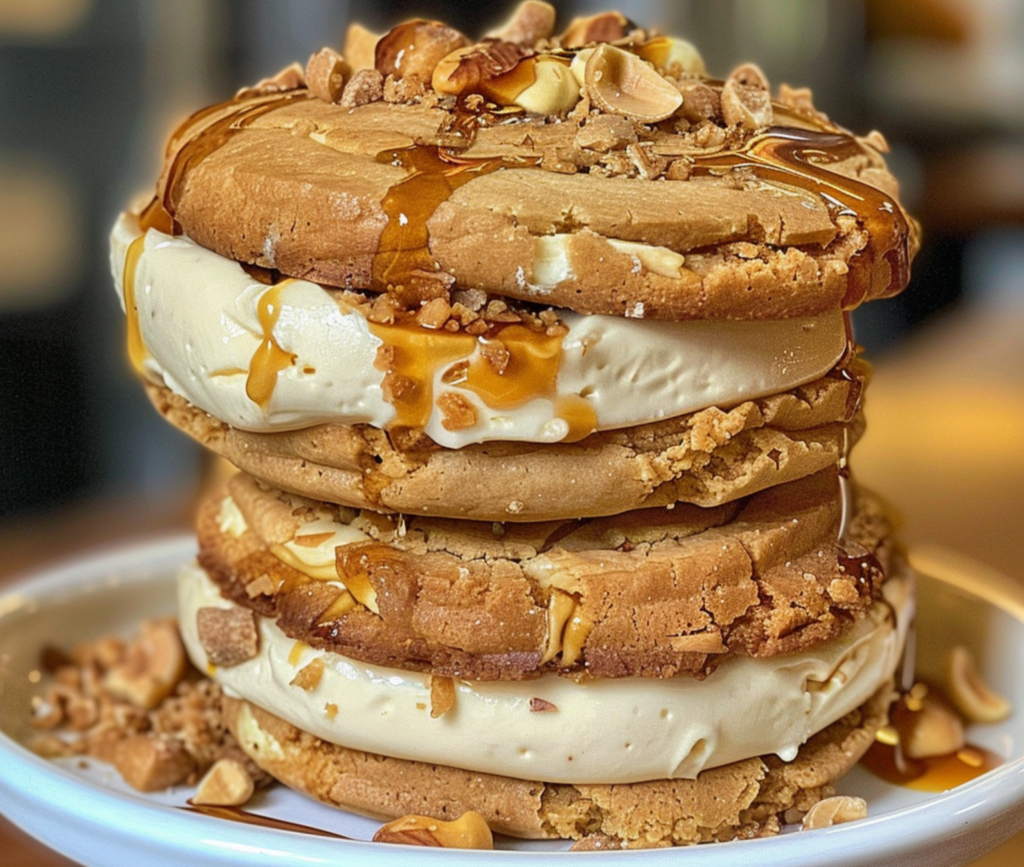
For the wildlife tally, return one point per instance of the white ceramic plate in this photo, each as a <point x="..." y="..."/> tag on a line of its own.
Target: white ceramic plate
<point x="88" y="814"/>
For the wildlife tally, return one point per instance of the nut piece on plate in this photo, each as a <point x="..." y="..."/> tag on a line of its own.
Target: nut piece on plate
<point x="974" y="698"/>
<point x="151" y="763"/>
<point x="469" y="831"/>
<point x="619" y="82"/>
<point x="226" y="784"/>
<point x="153" y="666"/>
<point x="412" y="50"/>
<point x="228" y="635"/>
<point x="934" y="730"/>
<point x="835" y="811"/>
<point x="531" y="22"/>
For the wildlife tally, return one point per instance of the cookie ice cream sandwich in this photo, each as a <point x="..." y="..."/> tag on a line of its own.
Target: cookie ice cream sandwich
<point x="534" y="354"/>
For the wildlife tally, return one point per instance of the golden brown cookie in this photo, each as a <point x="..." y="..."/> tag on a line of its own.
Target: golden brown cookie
<point x="750" y="798"/>
<point x="706" y="458"/>
<point x="775" y="213"/>
<point x="650" y="593"/>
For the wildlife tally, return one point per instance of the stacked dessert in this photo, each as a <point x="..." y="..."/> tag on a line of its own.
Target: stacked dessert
<point x="534" y="354"/>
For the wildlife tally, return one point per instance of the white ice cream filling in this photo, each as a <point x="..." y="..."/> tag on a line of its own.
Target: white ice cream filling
<point x="203" y="321"/>
<point x="611" y="730"/>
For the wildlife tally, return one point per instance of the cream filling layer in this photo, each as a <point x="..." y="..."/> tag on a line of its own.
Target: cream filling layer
<point x="205" y="324"/>
<point x="599" y="731"/>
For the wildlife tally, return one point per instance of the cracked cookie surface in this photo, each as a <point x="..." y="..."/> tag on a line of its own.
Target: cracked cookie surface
<point x="650" y="593"/>
<point x="705" y="458"/>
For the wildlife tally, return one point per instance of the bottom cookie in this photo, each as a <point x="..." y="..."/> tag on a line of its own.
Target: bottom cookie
<point x="750" y="798"/>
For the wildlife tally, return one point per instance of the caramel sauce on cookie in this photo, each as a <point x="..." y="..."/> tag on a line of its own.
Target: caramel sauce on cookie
<point x="800" y="157"/>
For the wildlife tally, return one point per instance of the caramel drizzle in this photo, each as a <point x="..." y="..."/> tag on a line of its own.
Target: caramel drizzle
<point x="236" y="814"/>
<point x="137" y="352"/>
<point x="269" y="359"/>
<point x="799" y="157"/>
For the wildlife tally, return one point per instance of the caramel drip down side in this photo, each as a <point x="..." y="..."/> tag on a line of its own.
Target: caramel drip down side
<point x="137" y="352"/>
<point x="206" y="132"/>
<point x="800" y="158"/>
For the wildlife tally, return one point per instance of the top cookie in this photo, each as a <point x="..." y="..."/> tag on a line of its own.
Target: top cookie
<point x="598" y="170"/>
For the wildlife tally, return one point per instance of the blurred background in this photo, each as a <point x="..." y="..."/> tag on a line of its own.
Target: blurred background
<point x="90" y="88"/>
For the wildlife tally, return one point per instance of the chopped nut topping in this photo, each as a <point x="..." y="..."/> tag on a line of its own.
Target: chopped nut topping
<point x="530" y="22"/>
<point x="325" y="75"/>
<point x="619" y="82"/>
<point x="226" y="784"/>
<point x="290" y="78"/>
<point x="151" y="763"/>
<point x="434" y="313"/>
<point x="365" y="86"/>
<point x="672" y="56"/>
<point x="835" y="811"/>
<point x="540" y="705"/>
<point x="360" y="47"/>
<point x="606" y="132"/>
<point x="496" y="354"/>
<point x="603" y="27"/>
<point x="458" y="412"/>
<point x="746" y="101"/>
<point x="469" y="831"/>
<point x="154" y="664"/>
<point x="442" y="695"/>
<point x="412" y="50"/>
<point x="468" y="69"/>
<point x="228" y="635"/>
<point x="309" y="677"/>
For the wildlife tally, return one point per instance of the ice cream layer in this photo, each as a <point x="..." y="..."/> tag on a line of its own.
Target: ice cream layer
<point x="554" y="729"/>
<point x="293" y="354"/>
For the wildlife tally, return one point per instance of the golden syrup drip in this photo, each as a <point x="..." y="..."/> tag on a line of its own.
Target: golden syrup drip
<point x="155" y="216"/>
<point x="800" y="157"/>
<point x="843" y="371"/>
<point x="197" y="138"/>
<point x="137" y="352"/>
<point x="403" y="253"/>
<point x="580" y="415"/>
<point x="935" y="774"/>
<point x="417" y="354"/>
<point x="236" y="814"/>
<point x="269" y="359"/>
